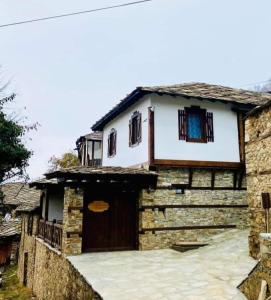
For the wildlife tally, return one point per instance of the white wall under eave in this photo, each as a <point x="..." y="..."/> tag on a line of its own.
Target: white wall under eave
<point x="167" y="144"/>
<point x="128" y="156"/>
<point x="55" y="206"/>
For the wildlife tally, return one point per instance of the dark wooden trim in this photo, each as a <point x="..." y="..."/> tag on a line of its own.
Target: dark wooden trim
<point x="213" y="179"/>
<point x="187" y="187"/>
<point x="198" y="164"/>
<point x="241" y="135"/>
<point x="186" y="228"/>
<point x="162" y="207"/>
<point x="216" y="188"/>
<point x="151" y="136"/>
<point x="190" y="180"/>
<point x="46" y="206"/>
<point x="137" y="222"/>
<point x="235" y="174"/>
<point x="240" y="178"/>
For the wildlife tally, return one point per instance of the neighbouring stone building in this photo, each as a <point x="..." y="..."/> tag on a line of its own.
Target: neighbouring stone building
<point x="258" y="163"/>
<point x="10" y="232"/>
<point x="16" y="194"/>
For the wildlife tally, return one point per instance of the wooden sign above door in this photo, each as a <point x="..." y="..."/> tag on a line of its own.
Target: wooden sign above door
<point x="98" y="206"/>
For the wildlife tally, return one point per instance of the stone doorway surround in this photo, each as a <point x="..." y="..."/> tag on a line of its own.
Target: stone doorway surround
<point x="212" y="272"/>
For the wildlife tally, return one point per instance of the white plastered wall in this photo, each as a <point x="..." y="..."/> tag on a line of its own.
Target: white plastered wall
<point x="167" y="144"/>
<point x="125" y="155"/>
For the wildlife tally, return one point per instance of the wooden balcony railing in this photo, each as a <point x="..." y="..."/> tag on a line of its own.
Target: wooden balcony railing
<point x="94" y="162"/>
<point x="51" y="233"/>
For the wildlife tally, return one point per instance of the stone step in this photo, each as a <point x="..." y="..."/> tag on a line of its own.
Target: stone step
<point x="186" y="246"/>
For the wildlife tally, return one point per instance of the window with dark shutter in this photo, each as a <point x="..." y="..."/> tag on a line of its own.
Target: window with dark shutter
<point x="112" y="143"/>
<point x="196" y="125"/>
<point x="135" y="129"/>
<point x="30" y="225"/>
<point x="209" y="127"/>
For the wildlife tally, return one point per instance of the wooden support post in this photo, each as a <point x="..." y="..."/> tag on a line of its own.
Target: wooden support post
<point x="213" y="179"/>
<point x="190" y="178"/>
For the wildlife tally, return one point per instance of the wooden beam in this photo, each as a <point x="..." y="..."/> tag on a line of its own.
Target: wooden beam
<point x="193" y="206"/>
<point x="241" y="135"/>
<point x="207" y="188"/>
<point x="151" y="136"/>
<point x="198" y="164"/>
<point x="186" y="228"/>
<point x="213" y="179"/>
<point x="190" y="179"/>
<point x="240" y="179"/>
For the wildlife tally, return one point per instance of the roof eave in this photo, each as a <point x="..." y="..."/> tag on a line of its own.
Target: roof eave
<point x="140" y="92"/>
<point x="126" y="102"/>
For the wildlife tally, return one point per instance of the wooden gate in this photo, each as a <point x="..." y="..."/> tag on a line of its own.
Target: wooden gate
<point x="110" y="221"/>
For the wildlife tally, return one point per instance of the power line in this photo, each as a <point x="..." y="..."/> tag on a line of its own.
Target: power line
<point x="255" y="83"/>
<point x="74" y="13"/>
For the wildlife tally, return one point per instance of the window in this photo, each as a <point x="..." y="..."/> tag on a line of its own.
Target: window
<point x="94" y="150"/>
<point x="30" y="225"/>
<point x="135" y="129"/>
<point x="112" y="143"/>
<point x="196" y="125"/>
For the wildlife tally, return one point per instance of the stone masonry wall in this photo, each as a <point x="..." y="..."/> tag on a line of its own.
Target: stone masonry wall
<point x="55" y="278"/>
<point x="27" y="245"/>
<point x="258" y="163"/>
<point x="72" y="221"/>
<point x="214" y="216"/>
<point x="251" y="286"/>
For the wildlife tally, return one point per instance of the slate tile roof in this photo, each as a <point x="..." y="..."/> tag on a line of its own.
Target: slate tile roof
<point x="100" y="171"/>
<point x="202" y="91"/>
<point x="21" y="195"/>
<point x="10" y="228"/>
<point x="97" y="136"/>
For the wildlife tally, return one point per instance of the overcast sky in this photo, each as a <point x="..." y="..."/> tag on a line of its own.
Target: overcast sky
<point x="69" y="72"/>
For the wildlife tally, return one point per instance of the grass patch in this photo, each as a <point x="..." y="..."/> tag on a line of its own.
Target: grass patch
<point x="12" y="289"/>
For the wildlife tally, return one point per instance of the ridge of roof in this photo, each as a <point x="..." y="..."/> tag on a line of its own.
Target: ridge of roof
<point x="202" y="91"/>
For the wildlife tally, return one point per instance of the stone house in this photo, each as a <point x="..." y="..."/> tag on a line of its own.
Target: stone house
<point x="172" y="169"/>
<point x="182" y="132"/>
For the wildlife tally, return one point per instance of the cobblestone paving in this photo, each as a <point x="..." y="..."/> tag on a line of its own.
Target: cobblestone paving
<point x="211" y="272"/>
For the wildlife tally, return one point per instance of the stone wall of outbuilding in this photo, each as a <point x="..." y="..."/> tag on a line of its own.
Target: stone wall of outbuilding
<point x="251" y="286"/>
<point x="258" y="164"/>
<point x="27" y="245"/>
<point x="204" y="211"/>
<point x="56" y="278"/>
<point x="50" y="275"/>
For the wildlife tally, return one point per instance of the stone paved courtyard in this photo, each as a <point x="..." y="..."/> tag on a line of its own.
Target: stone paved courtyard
<point x="211" y="272"/>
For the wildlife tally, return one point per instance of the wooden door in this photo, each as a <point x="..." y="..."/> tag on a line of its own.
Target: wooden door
<point x="109" y="221"/>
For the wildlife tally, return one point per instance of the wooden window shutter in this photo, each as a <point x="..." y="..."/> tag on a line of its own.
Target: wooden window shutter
<point x="130" y="132"/>
<point x="114" y="143"/>
<point x="209" y="127"/>
<point x="139" y="128"/>
<point x="108" y="146"/>
<point x="182" y="125"/>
